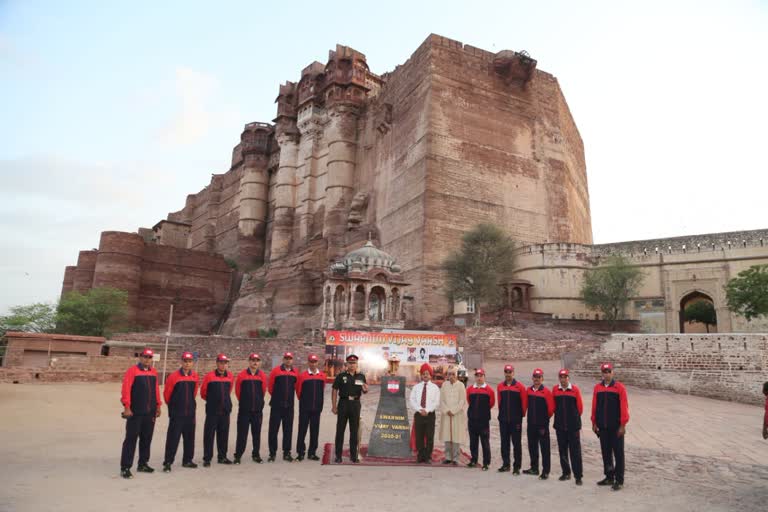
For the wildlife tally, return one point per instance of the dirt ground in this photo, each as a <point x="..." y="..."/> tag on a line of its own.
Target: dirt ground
<point x="61" y="445"/>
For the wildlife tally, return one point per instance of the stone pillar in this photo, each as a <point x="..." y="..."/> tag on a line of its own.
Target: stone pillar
<point x="282" y="226"/>
<point x="306" y="176"/>
<point x="339" y="186"/>
<point x="367" y="303"/>
<point x="118" y="265"/>
<point x="352" y="292"/>
<point x="254" y="204"/>
<point x="325" y="305"/>
<point x="82" y="280"/>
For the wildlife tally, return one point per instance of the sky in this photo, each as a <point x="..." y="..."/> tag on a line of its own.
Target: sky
<point x="113" y="112"/>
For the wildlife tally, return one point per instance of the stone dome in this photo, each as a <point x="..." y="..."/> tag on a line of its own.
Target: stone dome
<point x="368" y="257"/>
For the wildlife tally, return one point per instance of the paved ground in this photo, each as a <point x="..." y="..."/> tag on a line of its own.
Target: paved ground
<point x="60" y="450"/>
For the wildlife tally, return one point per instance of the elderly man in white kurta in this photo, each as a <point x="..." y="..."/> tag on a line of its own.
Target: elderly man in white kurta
<point x="453" y="416"/>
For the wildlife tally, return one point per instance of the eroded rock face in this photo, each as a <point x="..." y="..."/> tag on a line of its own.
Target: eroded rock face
<point x="412" y="159"/>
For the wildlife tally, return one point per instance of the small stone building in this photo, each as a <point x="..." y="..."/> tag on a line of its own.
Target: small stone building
<point x="35" y="350"/>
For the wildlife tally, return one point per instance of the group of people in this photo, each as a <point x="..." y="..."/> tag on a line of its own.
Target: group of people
<point x="463" y="410"/>
<point x="467" y="410"/>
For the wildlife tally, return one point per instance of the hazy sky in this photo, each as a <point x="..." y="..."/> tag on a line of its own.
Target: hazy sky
<point x="113" y="112"/>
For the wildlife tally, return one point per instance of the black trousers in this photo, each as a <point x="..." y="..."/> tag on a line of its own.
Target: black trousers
<point x="215" y="425"/>
<point x="349" y="411"/>
<point x="424" y="426"/>
<point x="538" y="437"/>
<point x="141" y="428"/>
<point x="308" y="420"/>
<point x="245" y="421"/>
<point x="612" y="448"/>
<point x="514" y="432"/>
<point x="569" y="443"/>
<point x="178" y="427"/>
<point x="480" y="433"/>
<point x="278" y="416"/>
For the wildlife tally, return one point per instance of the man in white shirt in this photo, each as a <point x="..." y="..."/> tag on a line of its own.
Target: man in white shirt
<point x="425" y="399"/>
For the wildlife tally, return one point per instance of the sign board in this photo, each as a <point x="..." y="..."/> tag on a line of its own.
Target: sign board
<point x="391" y="432"/>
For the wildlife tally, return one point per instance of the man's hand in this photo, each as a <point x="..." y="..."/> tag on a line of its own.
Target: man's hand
<point x="423" y="412"/>
<point x="450" y="413"/>
<point x="595" y="429"/>
<point x="622" y="431"/>
<point x="334" y="409"/>
<point x="365" y="387"/>
<point x="127" y="412"/>
<point x="765" y="432"/>
<point x="157" y="413"/>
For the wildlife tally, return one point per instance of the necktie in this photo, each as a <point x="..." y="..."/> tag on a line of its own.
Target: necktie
<point x="424" y="397"/>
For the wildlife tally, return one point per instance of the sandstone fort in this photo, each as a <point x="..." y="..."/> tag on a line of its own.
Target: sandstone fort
<point x="340" y="211"/>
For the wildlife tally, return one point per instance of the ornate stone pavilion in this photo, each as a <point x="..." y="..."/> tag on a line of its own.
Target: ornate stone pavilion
<point x="364" y="289"/>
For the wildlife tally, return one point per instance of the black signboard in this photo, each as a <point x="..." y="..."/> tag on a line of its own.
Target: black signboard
<point x="391" y="433"/>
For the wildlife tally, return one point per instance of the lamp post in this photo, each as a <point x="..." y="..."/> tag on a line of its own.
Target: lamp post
<point x="167" y="335"/>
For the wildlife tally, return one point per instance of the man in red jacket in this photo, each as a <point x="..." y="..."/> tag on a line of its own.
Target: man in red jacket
<point x="610" y="414"/>
<point x="513" y="403"/>
<point x="141" y="405"/>
<point x="282" y="388"/>
<point x="250" y="389"/>
<point x="179" y="393"/>
<point x="310" y="389"/>
<point x="481" y="400"/>
<point x="216" y="391"/>
<point x="568" y="409"/>
<point x="541" y="406"/>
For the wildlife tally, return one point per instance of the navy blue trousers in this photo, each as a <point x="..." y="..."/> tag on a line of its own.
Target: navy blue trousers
<point x="480" y="433"/>
<point x="138" y="428"/>
<point x="246" y="421"/>
<point x="216" y="425"/>
<point x="308" y="421"/>
<point x="612" y="448"/>
<point x="513" y="432"/>
<point x="569" y="443"/>
<point x="178" y="427"/>
<point x="538" y="438"/>
<point x="280" y="416"/>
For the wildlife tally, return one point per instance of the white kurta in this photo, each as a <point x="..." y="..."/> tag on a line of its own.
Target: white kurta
<point x="453" y="397"/>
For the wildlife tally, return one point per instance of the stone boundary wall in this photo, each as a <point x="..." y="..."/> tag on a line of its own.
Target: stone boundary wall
<point x="527" y="344"/>
<point x="723" y="366"/>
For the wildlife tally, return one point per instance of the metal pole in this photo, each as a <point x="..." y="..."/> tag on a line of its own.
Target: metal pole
<point x="167" y="335"/>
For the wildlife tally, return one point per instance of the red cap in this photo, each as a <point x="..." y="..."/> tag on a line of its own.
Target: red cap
<point x="606" y="366"/>
<point x="479" y="371"/>
<point x="426" y="368"/>
<point x="313" y="358"/>
<point x="222" y="358"/>
<point x="352" y="358"/>
<point x="187" y="355"/>
<point x="147" y="352"/>
<point x="563" y="373"/>
<point x="288" y="355"/>
<point x="538" y="372"/>
<point x="254" y="355"/>
<point x="509" y="368"/>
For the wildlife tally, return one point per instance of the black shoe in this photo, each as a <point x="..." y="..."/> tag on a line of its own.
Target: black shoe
<point x="543" y="476"/>
<point x="485" y="467"/>
<point x="446" y="461"/>
<point x="206" y="463"/>
<point x="453" y="462"/>
<point x="606" y="481"/>
<point x="564" y="477"/>
<point x="337" y="460"/>
<point x="578" y="481"/>
<point x="516" y="471"/>
<point x="472" y="464"/>
<point x="224" y="460"/>
<point x="145" y="469"/>
<point x="166" y="468"/>
<point x="257" y="459"/>
<point x="236" y="461"/>
<point x="504" y="469"/>
<point x="287" y="457"/>
<point x="617" y="486"/>
<point x="126" y="473"/>
<point x="313" y="457"/>
<point x="355" y="461"/>
<point x="531" y="471"/>
<point x="300" y="458"/>
<point x="189" y="465"/>
<point x="271" y="458"/>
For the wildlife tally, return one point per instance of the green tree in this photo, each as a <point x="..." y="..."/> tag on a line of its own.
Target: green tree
<point x="747" y="293"/>
<point x="701" y="311"/>
<point x="485" y="259"/>
<point x="609" y="287"/>
<point x="38" y="317"/>
<point x="97" y="312"/>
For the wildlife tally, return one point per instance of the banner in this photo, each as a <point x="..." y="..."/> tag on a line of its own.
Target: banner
<point x="375" y="349"/>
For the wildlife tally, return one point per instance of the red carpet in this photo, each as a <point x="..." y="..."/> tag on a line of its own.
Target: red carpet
<point x="437" y="458"/>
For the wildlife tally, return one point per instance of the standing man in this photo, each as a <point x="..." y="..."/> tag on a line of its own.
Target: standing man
<point x="424" y="400"/>
<point x="568" y="409"/>
<point x="513" y="402"/>
<point x="309" y="390"/>
<point x="250" y="388"/>
<point x="481" y="400"/>
<point x="610" y="414"/>
<point x="348" y="387"/>
<point x="453" y="416"/>
<point x="282" y="387"/>
<point x="179" y="393"/>
<point x="541" y="406"/>
<point x="141" y="405"/>
<point x="217" y="393"/>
